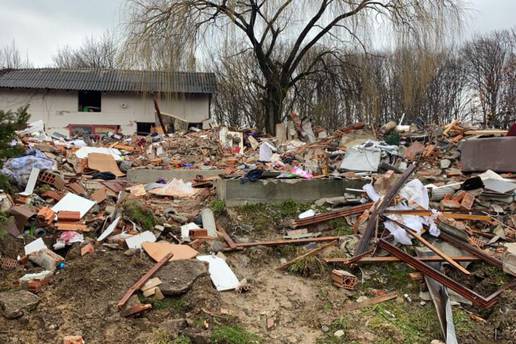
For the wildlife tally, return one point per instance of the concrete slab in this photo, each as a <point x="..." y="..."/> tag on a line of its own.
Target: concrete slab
<point x="233" y="193"/>
<point x="149" y="175"/>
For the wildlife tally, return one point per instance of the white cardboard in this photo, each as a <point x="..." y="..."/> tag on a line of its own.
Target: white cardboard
<point x="73" y="202"/>
<point x="220" y="273"/>
<point x="33" y="178"/>
<point x="107" y="232"/>
<point x="136" y="241"/>
<point x="35" y="246"/>
<point x="83" y="152"/>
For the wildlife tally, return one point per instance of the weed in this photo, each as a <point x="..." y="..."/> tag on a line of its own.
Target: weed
<point x="142" y="216"/>
<point x="218" y="206"/>
<point x="160" y="336"/>
<point x="182" y="340"/>
<point x="7" y="185"/>
<point x="310" y="266"/>
<point x="3" y="219"/>
<point x="341" y="227"/>
<point x="403" y="323"/>
<point x="234" y="335"/>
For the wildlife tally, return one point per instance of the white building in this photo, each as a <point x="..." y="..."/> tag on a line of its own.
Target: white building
<point x="97" y="100"/>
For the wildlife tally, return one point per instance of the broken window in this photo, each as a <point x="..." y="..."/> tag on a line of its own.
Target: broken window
<point x="89" y="101"/>
<point x="144" y="128"/>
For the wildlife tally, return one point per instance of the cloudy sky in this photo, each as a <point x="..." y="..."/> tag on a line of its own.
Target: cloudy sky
<point x="40" y="27"/>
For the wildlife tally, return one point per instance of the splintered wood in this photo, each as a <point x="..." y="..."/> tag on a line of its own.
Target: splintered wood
<point x="344" y="279"/>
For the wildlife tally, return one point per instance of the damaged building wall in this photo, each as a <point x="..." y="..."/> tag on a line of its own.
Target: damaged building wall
<point x="59" y="109"/>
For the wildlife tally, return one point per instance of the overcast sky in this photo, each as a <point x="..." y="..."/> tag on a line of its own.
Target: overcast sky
<point x="40" y="27"/>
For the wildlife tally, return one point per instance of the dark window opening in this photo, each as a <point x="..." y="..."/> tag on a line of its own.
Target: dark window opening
<point x="144" y="128"/>
<point x="89" y="101"/>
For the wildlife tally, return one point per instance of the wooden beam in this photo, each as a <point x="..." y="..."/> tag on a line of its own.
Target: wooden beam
<point x="378" y="210"/>
<point x="369" y="302"/>
<point x="425" y="242"/>
<point x="307" y="254"/>
<point x="158" y="113"/>
<point x="286" y="242"/>
<point x="392" y="259"/>
<point x="143" y="279"/>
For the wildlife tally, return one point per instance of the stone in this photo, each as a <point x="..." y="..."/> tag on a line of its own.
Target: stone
<point x="445" y="163"/>
<point x="178" y="276"/>
<point x="14" y="304"/>
<point x="173" y="326"/>
<point x="339" y="333"/>
<point x="216" y="246"/>
<point x="198" y="336"/>
<point x="325" y="328"/>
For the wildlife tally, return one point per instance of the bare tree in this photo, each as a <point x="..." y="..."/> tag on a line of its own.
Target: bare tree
<point x="10" y="57"/>
<point x="94" y="53"/>
<point x="280" y="33"/>
<point x="490" y="63"/>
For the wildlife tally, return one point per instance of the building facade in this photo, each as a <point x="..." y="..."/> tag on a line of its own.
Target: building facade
<point x="97" y="101"/>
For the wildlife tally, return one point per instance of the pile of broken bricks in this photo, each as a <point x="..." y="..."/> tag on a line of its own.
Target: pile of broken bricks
<point x="434" y="185"/>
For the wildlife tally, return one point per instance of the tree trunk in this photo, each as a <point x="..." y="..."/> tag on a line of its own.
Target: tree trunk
<point x="273" y="107"/>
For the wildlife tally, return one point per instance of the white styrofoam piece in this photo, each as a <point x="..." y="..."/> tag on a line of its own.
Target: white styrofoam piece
<point x="305" y="214"/>
<point x="107" y="232"/>
<point x="35" y="246"/>
<point x="220" y="273"/>
<point x="185" y="230"/>
<point x="33" y="178"/>
<point x="358" y="159"/>
<point x="83" y="152"/>
<point x="136" y="241"/>
<point x="73" y="202"/>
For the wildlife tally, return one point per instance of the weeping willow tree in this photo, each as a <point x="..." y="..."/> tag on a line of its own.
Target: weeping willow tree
<point x="167" y="34"/>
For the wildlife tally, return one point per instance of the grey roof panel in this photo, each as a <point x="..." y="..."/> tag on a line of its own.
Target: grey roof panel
<point x="108" y="80"/>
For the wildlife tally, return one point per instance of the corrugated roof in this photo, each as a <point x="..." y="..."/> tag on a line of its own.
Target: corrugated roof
<point x="113" y="80"/>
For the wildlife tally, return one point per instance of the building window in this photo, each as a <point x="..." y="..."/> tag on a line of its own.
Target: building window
<point x="89" y="101"/>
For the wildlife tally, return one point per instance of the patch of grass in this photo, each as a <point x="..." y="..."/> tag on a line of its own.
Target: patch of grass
<point x="341" y="227"/>
<point x="310" y="266"/>
<point x="395" y="322"/>
<point x="463" y="322"/>
<point x="395" y="276"/>
<point x="176" y="304"/>
<point x="342" y="323"/>
<point x="182" y="340"/>
<point x="139" y="214"/>
<point x="234" y="335"/>
<point x="160" y="336"/>
<point x="7" y="185"/>
<point x="265" y="216"/>
<point x="3" y="219"/>
<point x="288" y="209"/>
<point x="218" y="206"/>
<point x="286" y="251"/>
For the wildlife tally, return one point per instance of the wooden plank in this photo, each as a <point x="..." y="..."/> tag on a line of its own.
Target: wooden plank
<point x="369" y="302"/>
<point x="286" y="242"/>
<point x="391" y="259"/>
<point x="307" y="254"/>
<point x="143" y="279"/>
<point x="226" y="237"/>
<point x="378" y="210"/>
<point x="436" y="250"/>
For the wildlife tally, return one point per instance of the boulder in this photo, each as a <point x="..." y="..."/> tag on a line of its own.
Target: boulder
<point x="178" y="276"/>
<point x="14" y="304"/>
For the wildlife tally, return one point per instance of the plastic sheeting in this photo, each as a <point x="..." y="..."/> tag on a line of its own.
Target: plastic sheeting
<point x="415" y="195"/>
<point x="19" y="169"/>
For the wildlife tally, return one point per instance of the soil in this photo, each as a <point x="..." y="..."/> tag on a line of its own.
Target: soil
<point x="280" y="307"/>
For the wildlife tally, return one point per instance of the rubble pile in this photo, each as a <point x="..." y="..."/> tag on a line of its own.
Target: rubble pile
<point x="426" y="201"/>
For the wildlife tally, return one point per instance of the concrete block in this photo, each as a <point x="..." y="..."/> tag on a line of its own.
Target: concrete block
<point x="149" y="175"/>
<point x="233" y="193"/>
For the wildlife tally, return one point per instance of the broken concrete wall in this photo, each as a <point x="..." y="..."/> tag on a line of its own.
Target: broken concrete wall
<point x="234" y="193"/>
